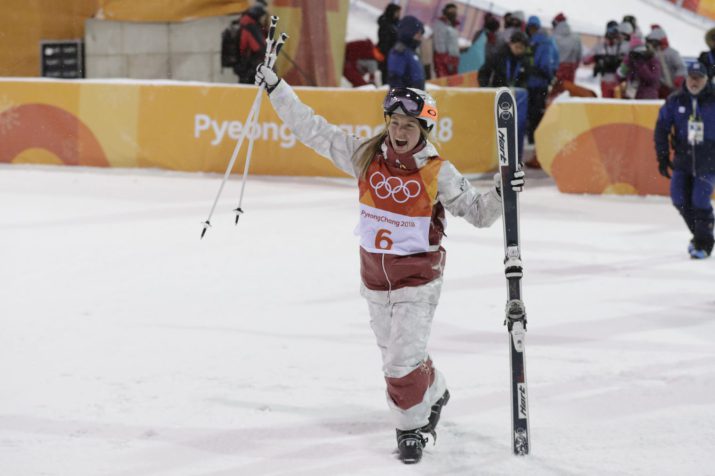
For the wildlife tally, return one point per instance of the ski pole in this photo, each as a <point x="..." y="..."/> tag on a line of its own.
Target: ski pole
<point x="270" y="62"/>
<point x="246" y="128"/>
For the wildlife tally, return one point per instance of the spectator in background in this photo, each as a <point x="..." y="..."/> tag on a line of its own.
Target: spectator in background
<point x="484" y="45"/>
<point x="513" y="22"/>
<point x="606" y="58"/>
<point x="507" y="67"/>
<point x="635" y="30"/>
<point x="672" y="67"/>
<point x="544" y="60"/>
<point x="640" y="71"/>
<point x="387" y="34"/>
<point x="569" y="47"/>
<point x="708" y="57"/>
<point x="445" y="42"/>
<point x="686" y="122"/>
<point x="359" y="62"/>
<point x="251" y="43"/>
<point x="625" y="29"/>
<point x="404" y="68"/>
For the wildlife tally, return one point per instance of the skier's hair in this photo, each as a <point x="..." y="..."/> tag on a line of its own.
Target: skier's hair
<point x="368" y="149"/>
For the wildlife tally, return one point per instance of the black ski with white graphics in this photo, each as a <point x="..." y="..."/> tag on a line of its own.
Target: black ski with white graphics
<point x="505" y="116"/>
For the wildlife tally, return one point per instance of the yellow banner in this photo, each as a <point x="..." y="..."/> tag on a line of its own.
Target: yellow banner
<point x="601" y="146"/>
<point x="464" y="80"/>
<point x="24" y="23"/>
<point x="192" y="127"/>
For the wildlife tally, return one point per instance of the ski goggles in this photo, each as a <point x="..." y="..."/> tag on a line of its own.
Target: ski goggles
<point x="410" y="102"/>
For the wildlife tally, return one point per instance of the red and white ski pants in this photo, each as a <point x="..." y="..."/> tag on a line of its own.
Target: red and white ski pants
<point x="401" y="321"/>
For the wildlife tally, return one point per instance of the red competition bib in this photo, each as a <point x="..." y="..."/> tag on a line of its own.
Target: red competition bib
<point x="396" y="209"/>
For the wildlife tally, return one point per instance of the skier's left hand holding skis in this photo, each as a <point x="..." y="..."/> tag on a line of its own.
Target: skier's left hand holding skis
<point x="266" y="77"/>
<point x="517" y="182"/>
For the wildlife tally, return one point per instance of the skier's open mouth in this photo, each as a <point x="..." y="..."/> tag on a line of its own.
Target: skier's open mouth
<point x="400" y="143"/>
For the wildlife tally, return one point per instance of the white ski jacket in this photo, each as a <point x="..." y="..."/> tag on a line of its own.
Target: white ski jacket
<point x="380" y="271"/>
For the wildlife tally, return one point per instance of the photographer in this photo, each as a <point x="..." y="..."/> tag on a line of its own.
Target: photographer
<point x="606" y="58"/>
<point x="641" y="72"/>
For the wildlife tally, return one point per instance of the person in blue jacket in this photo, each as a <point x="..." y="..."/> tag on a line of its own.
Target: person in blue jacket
<point x="686" y="122"/>
<point x="404" y="68"/>
<point x="544" y="61"/>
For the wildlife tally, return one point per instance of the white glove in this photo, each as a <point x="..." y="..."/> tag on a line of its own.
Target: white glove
<point x="517" y="181"/>
<point x="266" y="77"/>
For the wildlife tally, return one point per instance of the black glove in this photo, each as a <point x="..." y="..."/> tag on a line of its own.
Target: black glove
<point x="664" y="164"/>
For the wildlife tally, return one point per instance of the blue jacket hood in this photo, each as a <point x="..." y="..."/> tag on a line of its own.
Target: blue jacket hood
<point x="408" y="27"/>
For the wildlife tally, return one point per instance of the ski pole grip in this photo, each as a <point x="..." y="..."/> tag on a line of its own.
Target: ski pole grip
<point x="279" y="47"/>
<point x="272" y="28"/>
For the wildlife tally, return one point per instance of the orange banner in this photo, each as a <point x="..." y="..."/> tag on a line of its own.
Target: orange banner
<point x="315" y="52"/>
<point x="192" y="127"/>
<point x="601" y="146"/>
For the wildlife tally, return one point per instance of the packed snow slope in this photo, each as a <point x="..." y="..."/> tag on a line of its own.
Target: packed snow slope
<point x="131" y="347"/>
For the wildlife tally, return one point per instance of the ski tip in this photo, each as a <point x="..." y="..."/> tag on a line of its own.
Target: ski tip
<point x="207" y="224"/>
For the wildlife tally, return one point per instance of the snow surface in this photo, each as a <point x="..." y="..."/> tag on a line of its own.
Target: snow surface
<point x="131" y="347"/>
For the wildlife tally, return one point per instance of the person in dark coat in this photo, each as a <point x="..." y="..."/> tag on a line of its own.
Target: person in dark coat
<point x="251" y="44"/>
<point x="708" y="57"/>
<point x="543" y="63"/>
<point x="404" y="68"/>
<point x="686" y="122"/>
<point x="641" y="72"/>
<point x="387" y="34"/>
<point x="507" y="67"/>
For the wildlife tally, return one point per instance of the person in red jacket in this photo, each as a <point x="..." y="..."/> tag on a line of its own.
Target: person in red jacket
<point x="251" y="43"/>
<point x="360" y="60"/>
<point x="404" y="186"/>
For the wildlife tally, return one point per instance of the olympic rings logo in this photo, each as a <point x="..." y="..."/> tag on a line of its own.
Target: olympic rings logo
<point x="394" y="187"/>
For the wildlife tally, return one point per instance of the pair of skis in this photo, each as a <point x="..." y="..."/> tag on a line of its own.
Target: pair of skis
<point x="507" y="149"/>
<point x="273" y="48"/>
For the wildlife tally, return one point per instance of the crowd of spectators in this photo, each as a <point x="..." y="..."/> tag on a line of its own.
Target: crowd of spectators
<point x="518" y="51"/>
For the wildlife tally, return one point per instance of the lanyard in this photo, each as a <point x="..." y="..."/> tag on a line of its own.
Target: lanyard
<point x="694" y="115"/>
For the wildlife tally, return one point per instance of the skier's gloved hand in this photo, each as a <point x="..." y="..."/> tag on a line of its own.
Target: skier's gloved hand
<point x="517" y="181"/>
<point x="266" y="77"/>
<point x="664" y="164"/>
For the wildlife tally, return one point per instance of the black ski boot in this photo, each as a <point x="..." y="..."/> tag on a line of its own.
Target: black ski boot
<point x="409" y="445"/>
<point x="431" y="427"/>
<point x="437" y="411"/>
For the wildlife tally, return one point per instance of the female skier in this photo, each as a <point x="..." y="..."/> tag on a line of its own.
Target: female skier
<point x="404" y="187"/>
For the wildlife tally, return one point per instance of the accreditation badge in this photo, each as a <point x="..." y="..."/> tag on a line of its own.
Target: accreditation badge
<point x="696" y="132"/>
